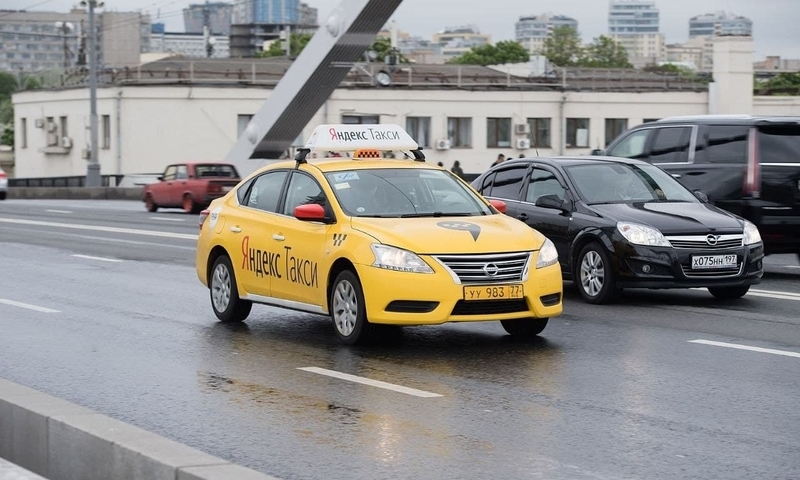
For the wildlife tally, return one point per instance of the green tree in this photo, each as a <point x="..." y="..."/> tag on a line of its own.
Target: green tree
<point x="7" y="138"/>
<point x="786" y="83"/>
<point x="8" y="84"/>
<point x="605" y="52"/>
<point x="502" y="52"/>
<point x="563" y="47"/>
<point x="297" y="42"/>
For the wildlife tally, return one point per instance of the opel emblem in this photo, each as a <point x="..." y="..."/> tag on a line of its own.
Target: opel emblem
<point x="711" y="239"/>
<point x="490" y="269"/>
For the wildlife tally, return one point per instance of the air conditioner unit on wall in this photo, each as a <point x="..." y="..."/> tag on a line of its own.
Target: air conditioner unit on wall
<point x="66" y="142"/>
<point x="52" y="140"/>
<point x="522" y="129"/>
<point x="523" y="144"/>
<point x="443" y="144"/>
<point x="39" y="123"/>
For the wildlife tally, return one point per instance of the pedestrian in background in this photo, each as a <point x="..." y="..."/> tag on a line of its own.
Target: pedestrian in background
<point x="500" y="159"/>
<point x="457" y="169"/>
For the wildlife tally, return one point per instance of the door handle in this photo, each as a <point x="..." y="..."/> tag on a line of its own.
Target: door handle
<point x="235" y="229"/>
<point x="278" y="237"/>
<point x="676" y="175"/>
<point x="522" y="216"/>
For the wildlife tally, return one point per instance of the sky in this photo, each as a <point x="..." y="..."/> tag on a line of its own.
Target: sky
<point x="775" y="30"/>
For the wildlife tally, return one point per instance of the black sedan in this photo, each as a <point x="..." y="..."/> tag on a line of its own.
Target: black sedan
<point x="620" y="223"/>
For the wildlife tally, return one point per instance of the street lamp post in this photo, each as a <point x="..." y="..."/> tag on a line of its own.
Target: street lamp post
<point x="93" y="178"/>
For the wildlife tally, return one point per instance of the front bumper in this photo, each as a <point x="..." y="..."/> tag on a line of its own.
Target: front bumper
<point x="665" y="267"/>
<point x="403" y="298"/>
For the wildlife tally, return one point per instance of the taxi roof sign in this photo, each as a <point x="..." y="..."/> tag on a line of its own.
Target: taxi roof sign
<point x="347" y="138"/>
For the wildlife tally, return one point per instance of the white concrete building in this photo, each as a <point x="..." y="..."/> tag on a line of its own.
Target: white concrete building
<point x="643" y="48"/>
<point x="188" y="44"/>
<point x="473" y="115"/>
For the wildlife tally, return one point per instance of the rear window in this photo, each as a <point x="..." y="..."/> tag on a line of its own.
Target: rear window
<point x="723" y="144"/>
<point x="215" y="170"/>
<point x="779" y="144"/>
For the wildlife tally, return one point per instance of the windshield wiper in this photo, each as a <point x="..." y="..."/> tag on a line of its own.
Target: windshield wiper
<point x="437" y="214"/>
<point x="378" y="215"/>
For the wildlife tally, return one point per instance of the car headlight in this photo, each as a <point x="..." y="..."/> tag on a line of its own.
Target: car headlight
<point x="642" y="235"/>
<point x="548" y="255"/>
<point x="392" y="258"/>
<point x="751" y="234"/>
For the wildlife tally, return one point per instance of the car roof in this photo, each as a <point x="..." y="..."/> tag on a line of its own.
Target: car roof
<point x="727" y="119"/>
<point x="574" y="160"/>
<point x="336" y="164"/>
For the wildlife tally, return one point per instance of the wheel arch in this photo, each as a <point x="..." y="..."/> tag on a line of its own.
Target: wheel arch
<point x="584" y="238"/>
<point x="213" y="255"/>
<point x="338" y="266"/>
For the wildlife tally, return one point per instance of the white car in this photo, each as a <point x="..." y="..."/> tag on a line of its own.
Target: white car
<point x="3" y="184"/>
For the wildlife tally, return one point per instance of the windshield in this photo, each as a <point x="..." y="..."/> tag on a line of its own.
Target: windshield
<point x="404" y="192"/>
<point x="619" y="182"/>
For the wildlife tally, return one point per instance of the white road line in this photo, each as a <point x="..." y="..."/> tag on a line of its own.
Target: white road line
<point x="28" y="306"/>
<point x="102" y="259"/>
<point x="97" y="228"/>
<point x="746" y="347"/>
<point x="104" y="239"/>
<point x="775" y="294"/>
<point x="372" y="383"/>
<point x="58" y="211"/>
<point x="169" y="219"/>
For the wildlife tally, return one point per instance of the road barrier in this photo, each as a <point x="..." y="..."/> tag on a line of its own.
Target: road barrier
<point x="75" y="193"/>
<point x="60" y="440"/>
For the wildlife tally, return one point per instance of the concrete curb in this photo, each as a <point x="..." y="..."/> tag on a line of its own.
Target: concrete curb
<point x="75" y="193"/>
<point x="63" y="441"/>
<point x="9" y="471"/>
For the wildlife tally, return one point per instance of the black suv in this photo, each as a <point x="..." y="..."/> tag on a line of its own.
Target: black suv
<point x="748" y="165"/>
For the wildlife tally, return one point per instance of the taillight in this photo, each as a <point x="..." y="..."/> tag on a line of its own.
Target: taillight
<point x="2" y="174"/>
<point x="752" y="176"/>
<point x="203" y="215"/>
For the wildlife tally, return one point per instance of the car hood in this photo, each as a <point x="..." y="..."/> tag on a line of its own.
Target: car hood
<point x="673" y="218"/>
<point x="482" y="234"/>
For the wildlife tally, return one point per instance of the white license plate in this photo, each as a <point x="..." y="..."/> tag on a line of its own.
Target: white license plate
<point x="714" y="261"/>
<point x="226" y="189"/>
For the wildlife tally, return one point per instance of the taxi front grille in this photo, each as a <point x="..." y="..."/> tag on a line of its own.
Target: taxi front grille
<point x="486" y="268"/>
<point x="701" y="242"/>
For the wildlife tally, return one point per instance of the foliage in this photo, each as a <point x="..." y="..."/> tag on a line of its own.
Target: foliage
<point x="786" y="83"/>
<point x="563" y="47"/>
<point x="7" y="138"/>
<point x="382" y="46"/>
<point x="9" y="83"/>
<point x="605" y="52"/>
<point x="502" y="52"/>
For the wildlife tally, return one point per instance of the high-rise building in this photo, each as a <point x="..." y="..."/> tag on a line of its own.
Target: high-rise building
<point x="533" y="30"/>
<point x="255" y="22"/>
<point x="219" y="17"/>
<point x="718" y="24"/>
<point x="632" y="17"/>
<point x="455" y="41"/>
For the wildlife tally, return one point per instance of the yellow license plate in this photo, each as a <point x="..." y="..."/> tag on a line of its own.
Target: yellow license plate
<point x="493" y="292"/>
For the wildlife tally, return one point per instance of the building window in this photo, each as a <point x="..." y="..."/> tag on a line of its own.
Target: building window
<point x="577" y="133"/>
<point x="540" y="132"/>
<point x="63" y="131"/>
<point x="241" y="123"/>
<point x="23" y="133"/>
<point x="106" y="132"/>
<point x="459" y="132"/>
<point x="614" y="127"/>
<point x="361" y="119"/>
<point x="498" y="132"/>
<point x="420" y="130"/>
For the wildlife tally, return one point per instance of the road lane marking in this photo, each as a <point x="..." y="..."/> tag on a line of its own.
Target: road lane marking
<point x="746" y="347"/>
<point x="105" y="239"/>
<point x="775" y="294"/>
<point x="58" y="211"/>
<point x="97" y="228"/>
<point x="370" y="382"/>
<point x="28" y="306"/>
<point x="169" y="219"/>
<point x="102" y="259"/>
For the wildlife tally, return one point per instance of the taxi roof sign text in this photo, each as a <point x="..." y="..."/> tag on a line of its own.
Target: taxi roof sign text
<point x="346" y="138"/>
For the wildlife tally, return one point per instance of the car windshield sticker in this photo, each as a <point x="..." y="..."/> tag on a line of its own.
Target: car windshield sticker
<point x="342" y="185"/>
<point x="345" y="176"/>
<point x="473" y="229"/>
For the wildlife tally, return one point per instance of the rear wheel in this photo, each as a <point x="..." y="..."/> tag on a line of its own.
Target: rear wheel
<point x="595" y="277"/>
<point x="3" y="195"/>
<point x="225" y="301"/>
<point x="150" y="204"/>
<point x="526" y="327"/>
<point x="348" y="311"/>
<point x="728" y="293"/>
<point x="189" y="205"/>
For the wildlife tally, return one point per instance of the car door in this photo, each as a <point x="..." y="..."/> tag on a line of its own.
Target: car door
<point x="301" y="244"/>
<point x="553" y="223"/>
<point x="160" y="191"/>
<point x="256" y="258"/>
<point x="179" y="184"/>
<point x="506" y="185"/>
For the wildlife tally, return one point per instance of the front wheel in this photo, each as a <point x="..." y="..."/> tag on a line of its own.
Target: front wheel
<point x="595" y="275"/>
<point x="189" y="205"/>
<point x="348" y="311"/>
<point x="728" y="293"/>
<point x="149" y="204"/>
<point x="225" y="301"/>
<point x="526" y="327"/>
<point x="3" y="195"/>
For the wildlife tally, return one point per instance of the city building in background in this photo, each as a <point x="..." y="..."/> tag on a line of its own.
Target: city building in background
<point x="192" y="45"/>
<point x="217" y="13"/>
<point x="635" y="24"/>
<point x="719" y="23"/>
<point x="36" y="41"/>
<point x="532" y="30"/>
<point x="455" y="41"/>
<point x="259" y="22"/>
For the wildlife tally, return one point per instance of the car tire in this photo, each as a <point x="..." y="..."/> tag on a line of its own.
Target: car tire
<point x="728" y="293"/>
<point x="348" y="311"/>
<point x="225" y="301"/>
<point x="189" y="205"/>
<point x="594" y="276"/>
<point x="149" y="204"/>
<point x="3" y="195"/>
<point x="526" y="327"/>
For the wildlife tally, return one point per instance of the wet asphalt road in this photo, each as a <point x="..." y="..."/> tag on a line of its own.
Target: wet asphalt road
<point x="613" y="392"/>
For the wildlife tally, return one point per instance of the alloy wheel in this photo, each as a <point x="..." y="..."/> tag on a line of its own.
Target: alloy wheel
<point x="592" y="273"/>
<point x="221" y="288"/>
<point x="345" y="308"/>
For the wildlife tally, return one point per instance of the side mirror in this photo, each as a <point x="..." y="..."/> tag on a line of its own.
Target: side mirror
<point x="311" y="212"/>
<point x="500" y="205"/>
<point x="161" y="178"/>
<point x="702" y="196"/>
<point x="597" y="151"/>
<point x="550" y="201"/>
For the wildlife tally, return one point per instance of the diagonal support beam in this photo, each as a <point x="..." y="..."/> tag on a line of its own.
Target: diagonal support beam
<point x="309" y="82"/>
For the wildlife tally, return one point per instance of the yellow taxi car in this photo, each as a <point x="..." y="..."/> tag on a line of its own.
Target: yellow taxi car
<point x="373" y="241"/>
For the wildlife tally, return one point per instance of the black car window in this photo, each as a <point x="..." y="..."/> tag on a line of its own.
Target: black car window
<point x="780" y="144"/>
<point x="486" y="187"/>
<point x="302" y="190"/>
<point x="543" y="182"/>
<point x="241" y="192"/>
<point x="670" y="145"/>
<point x="723" y="144"/>
<point x="508" y="183"/>
<point x="631" y="146"/>
<point x="266" y="191"/>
